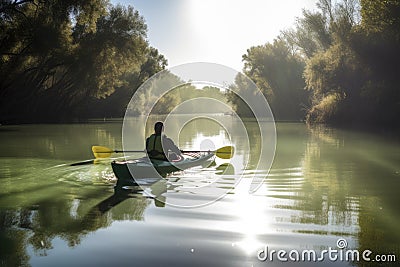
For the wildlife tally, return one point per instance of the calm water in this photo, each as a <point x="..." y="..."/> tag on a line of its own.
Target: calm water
<point x="324" y="184"/>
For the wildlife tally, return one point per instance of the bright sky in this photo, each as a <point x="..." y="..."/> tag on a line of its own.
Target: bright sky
<point x="218" y="31"/>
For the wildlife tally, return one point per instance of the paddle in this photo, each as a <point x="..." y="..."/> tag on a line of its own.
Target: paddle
<point x="225" y="152"/>
<point x="102" y="152"/>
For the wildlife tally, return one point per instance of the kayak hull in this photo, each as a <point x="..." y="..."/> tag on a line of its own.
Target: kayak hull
<point x="128" y="172"/>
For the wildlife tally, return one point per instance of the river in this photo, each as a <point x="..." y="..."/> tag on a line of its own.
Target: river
<point x="327" y="189"/>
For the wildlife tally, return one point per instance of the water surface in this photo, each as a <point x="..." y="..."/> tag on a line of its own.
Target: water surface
<point x="325" y="184"/>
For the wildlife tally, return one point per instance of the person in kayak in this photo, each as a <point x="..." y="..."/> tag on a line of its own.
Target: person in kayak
<point x="159" y="146"/>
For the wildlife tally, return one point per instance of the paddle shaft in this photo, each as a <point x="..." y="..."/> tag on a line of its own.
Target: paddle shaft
<point x="137" y="151"/>
<point x="199" y="151"/>
<point x="128" y="151"/>
<point x="225" y="152"/>
<point x="121" y="151"/>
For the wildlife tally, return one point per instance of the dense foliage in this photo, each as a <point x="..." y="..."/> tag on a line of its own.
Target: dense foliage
<point x="277" y="72"/>
<point x="353" y="80"/>
<point x="62" y="60"/>
<point x="346" y="56"/>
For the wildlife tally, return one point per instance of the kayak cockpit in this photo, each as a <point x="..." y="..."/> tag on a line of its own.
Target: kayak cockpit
<point x="128" y="171"/>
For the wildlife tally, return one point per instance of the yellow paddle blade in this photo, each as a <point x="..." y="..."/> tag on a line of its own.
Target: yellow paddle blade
<point x="225" y="152"/>
<point x="101" y="152"/>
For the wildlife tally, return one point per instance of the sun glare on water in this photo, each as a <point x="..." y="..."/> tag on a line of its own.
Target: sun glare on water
<point x="253" y="220"/>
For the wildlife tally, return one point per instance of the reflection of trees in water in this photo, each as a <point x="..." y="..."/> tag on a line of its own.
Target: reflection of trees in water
<point x="254" y="138"/>
<point x="12" y="250"/>
<point x="55" y="141"/>
<point x="343" y="191"/>
<point x="38" y="225"/>
<point x="327" y="184"/>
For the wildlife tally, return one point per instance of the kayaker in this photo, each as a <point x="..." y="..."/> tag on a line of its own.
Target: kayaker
<point x="159" y="146"/>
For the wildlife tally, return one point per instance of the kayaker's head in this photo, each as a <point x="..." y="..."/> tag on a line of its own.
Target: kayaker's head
<point x="158" y="127"/>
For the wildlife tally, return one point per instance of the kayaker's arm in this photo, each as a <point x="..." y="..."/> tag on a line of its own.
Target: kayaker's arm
<point x="170" y="145"/>
<point x="147" y="145"/>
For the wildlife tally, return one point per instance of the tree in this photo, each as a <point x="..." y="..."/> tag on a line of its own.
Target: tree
<point x="376" y="42"/>
<point x="380" y="16"/>
<point x="241" y="84"/>
<point x="115" y="105"/>
<point x="350" y="52"/>
<point x="354" y="80"/>
<point x="277" y="71"/>
<point x="36" y="46"/>
<point x="316" y="31"/>
<point x="118" y="47"/>
<point x="57" y="56"/>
